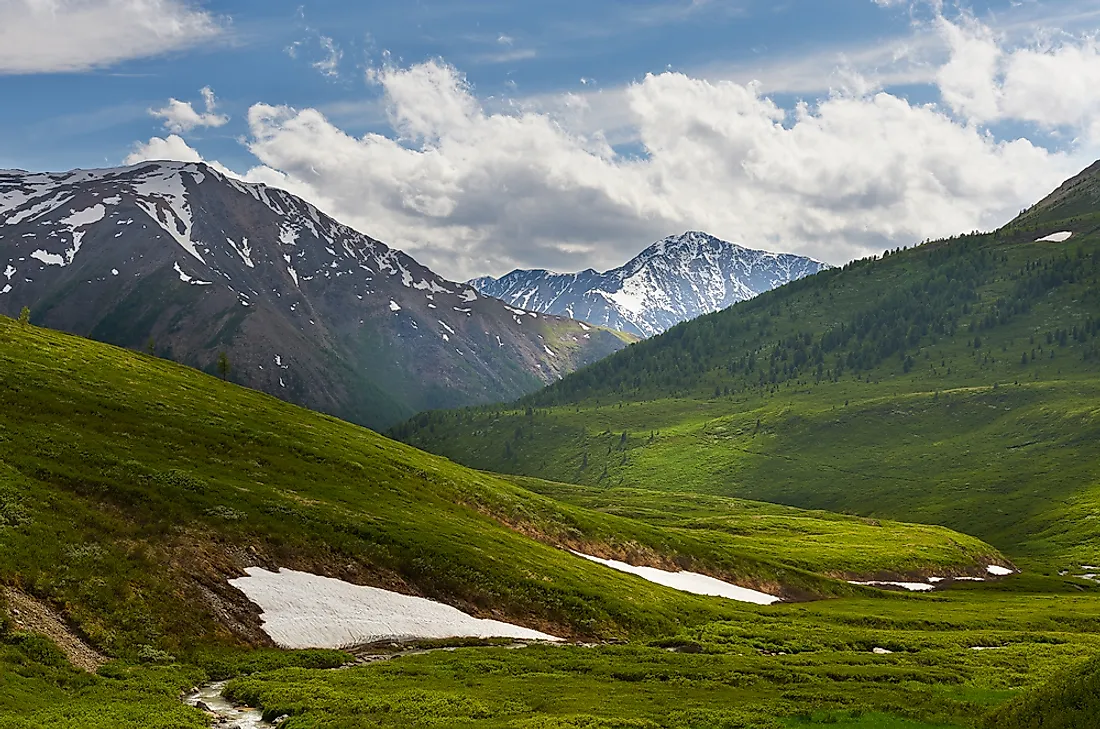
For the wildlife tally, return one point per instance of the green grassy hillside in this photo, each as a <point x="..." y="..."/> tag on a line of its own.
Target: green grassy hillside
<point x="132" y="488"/>
<point x="956" y="383"/>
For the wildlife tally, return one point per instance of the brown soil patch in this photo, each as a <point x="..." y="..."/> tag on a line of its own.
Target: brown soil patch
<point x="34" y="616"/>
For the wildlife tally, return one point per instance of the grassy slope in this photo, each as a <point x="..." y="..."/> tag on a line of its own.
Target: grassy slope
<point x="819" y="541"/>
<point x="893" y="388"/>
<point x="131" y="488"/>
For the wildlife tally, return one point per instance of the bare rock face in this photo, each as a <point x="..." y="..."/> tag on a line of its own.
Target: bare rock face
<point x="180" y="260"/>
<point x="675" y="279"/>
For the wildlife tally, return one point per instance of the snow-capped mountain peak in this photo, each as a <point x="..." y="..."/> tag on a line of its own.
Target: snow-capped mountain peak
<point x="183" y="259"/>
<point x="673" y="280"/>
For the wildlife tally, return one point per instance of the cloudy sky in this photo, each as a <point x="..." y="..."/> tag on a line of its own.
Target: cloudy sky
<point x="484" y="135"/>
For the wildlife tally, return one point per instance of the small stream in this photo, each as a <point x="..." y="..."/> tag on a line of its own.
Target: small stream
<point x="209" y="698"/>
<point x="227" y="715"/>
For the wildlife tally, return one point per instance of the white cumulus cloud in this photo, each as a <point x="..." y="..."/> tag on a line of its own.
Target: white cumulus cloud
<point x="1052" y="83"/>
<point x="174" y="148"/>
<point x="473" y="191"/>
<point x="569" y="183"/>
<point x="180" y="116"/>
<point x="44" y="36"/>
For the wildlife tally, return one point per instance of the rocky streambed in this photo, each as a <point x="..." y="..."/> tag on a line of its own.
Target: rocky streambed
<point x="225" y="715"/>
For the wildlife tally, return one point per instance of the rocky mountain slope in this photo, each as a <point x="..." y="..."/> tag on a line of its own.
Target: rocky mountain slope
<point x="181" y="260"/>
<point x="676" y="279"/>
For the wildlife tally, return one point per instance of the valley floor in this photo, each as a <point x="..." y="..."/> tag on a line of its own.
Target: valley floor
<point x="899" y="660"/>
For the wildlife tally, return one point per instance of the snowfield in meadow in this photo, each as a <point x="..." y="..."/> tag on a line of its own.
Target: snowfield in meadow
<point x="1060" y="237"/>
<point x="301" y="610"/>
<point x="691" y="582"/>
<point x="910" y="586"/>
<point x="993" y="570"/>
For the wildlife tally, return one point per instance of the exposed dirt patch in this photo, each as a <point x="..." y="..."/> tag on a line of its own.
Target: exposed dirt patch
<point x="34" y="616"/>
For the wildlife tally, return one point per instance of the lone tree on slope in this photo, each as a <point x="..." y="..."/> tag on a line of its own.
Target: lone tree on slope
<point x="25" y="316"/>
<point x="223" y="365"/>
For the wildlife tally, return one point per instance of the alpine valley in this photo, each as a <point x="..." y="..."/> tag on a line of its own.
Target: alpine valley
<point x="676" y="279"/>
<point x="182" y="261"/>
<point x="868" y="498"/>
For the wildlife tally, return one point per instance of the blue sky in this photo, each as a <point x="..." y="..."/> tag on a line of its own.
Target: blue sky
<point x="506" y="49"/>
<point x="473" y="133"/>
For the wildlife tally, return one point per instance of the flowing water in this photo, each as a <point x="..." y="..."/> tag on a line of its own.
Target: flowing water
<point x="209" y="698"/>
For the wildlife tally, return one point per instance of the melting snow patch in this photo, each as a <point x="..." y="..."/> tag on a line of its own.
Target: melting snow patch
<point x="468" y="296"/>
<point x="87" y="216"/>
<point x="50" y="259"/>
<point x="998" y="571"/>
<point x="9" y="272"/>
<point x="881" y="652"/>
<point x="549" y="351"/>
<point x="301" y="610"/>
<point x="188" y="279"/>
<point x="173" y="214"/>
<point x="394" y="307"/>
<point x="1060" y="237"/>
<point x="114" y="271"/>
<point x="38" y="209"/>
<point x="691" y="582"/>
<point x="244" y="251"/>
<point x="6" y="289"/>
<point x="910" y="586"/>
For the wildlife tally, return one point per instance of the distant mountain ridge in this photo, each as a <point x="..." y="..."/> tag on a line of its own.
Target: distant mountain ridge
<point x="182" y="259"/>
<point x="675" y="279"/>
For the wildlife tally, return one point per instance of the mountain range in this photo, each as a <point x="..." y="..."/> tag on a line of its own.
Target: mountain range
<point x="180" y="260"/>
<point x="676" y="279"/>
